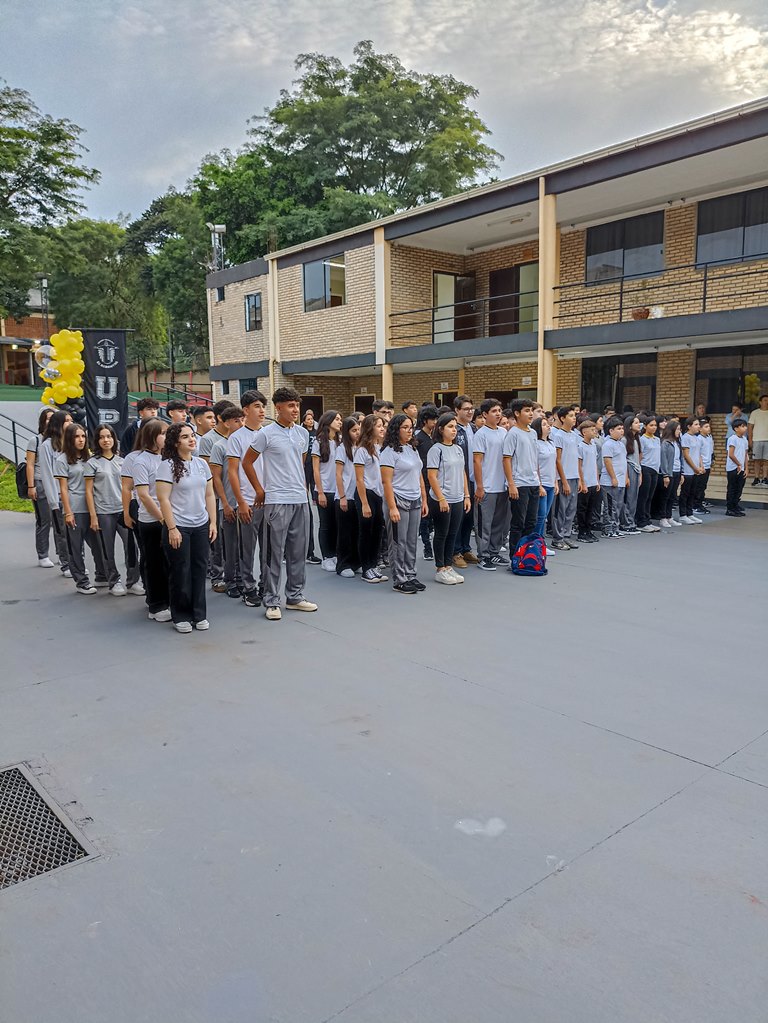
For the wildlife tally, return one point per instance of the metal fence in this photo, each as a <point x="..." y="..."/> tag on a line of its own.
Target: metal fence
<point x="492" y="316"/>
<point x="13" y="438"/>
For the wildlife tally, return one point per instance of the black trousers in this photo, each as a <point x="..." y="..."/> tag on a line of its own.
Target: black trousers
<point x="187" y="573"/>
<point x="687" y="492"/>
<point x="588" y="508"/>
<point x="736" y="481"/>
<point x="155" y="566"/>
<point x="700" y="488"/>
<point x="523" y="514"/>
<point x="327" y="532"/>
<point x="645" y="497"/>
<point x="670" y="493"/>
<point x="447" y="525"/>
<point x="463" y="543"/>
<point x="347" y="553"/>
<point x="369" y="530"/>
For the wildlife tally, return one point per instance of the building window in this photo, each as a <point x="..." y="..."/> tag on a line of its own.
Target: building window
<point x="220" y="294"/>
<point x="248" y="384"/>
<point x="726" y="375"/>
<point x="733" y="227"/>
<point x="324" y="283"/>
<point x="253" y="311"/>
<point x="619" y="380"/>
<point x="626" y="248"/>
<point x="225" y="386"/>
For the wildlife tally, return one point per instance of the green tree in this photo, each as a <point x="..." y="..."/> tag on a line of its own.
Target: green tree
<point x="40" y="177"/>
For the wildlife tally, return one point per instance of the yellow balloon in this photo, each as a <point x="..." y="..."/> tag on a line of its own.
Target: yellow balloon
<point x="79" y="365"/>
<point x="46" y="395"/>
<point x="71" y="391"/>
<point x="64" y="366"/>
<point x="54" y="339"/>
<point x="80" y="392"/>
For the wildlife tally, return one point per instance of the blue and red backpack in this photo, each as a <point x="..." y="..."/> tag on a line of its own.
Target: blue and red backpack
<point x="530" y="558"/>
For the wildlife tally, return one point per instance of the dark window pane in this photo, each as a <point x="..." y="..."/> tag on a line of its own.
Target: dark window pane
<point x="644" y="245"/>
<point x="314" y="286"/>
<point x="718" y="379"/>
<point x="253" y="311"/>
<point x="248" y="384"/>
<point x="225" y="386"/>
<point x="605" y="251"/>
<point x="220" y="294"/>
<point x="721" y="229"/>
<point x="756" y="223"/>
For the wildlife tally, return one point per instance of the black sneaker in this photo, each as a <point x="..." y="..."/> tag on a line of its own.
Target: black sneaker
<point x="487" y="565"/>
<point x="571" y="545"/>
<point x="407" y="587"/>
<point x="756" y="481"/>
<point x="583" y="538"/>
<point x="592" y="538"/>
<point x="234" y="592"/>
<point x="251" y="598"/>
<point x="500" y="561"/>
<point x="429" y="554"/>
<point x="219" y="586"/>
<point x="313" y="560"/>
<point x="560" y="545"/>
<point x="417" y="584"/>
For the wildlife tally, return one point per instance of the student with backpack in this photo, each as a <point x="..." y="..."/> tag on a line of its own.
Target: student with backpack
<point x="521" y="471"/>
<point x="36" y="493"/>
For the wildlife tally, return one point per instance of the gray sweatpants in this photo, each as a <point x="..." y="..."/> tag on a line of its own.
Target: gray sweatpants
<point x="77" y="537"/>
<point x="403" y="538"/>
<point x="249" y="536"/>
<point x="42" y="523"/>
<point x="614" y="502"/>
<point x="629" y="507"/>
<point x="491" y="523"/>
<point x="286" y="534"/>
<point x="230" y="541"/>
<point x="565" y="512"/>
<point x="109" y="528"/>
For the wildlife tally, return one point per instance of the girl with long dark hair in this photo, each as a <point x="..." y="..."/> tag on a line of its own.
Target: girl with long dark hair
<point x="650" y="449"/>
<point x="185" y="494"/>
<point x="369" y="496"/>
<point x="547" y="455"/>
<point x="347" y="554"/>
<point x="70" y="472"/>
<point x="47" y="453"/>
<point x="37" y="493"/>
<point x="405" y="501"/>
<point x="670" y="471"/>
<point x="448" y="497"/>
<point x="144" y="462"/>
<point x="103" y="495"/>
<point x="632" y="428"/>
<point x="324" y="474"/>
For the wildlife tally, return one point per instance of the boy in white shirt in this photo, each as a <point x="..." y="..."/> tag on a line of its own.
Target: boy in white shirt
<point x="690" y="450"/>
<point x="736" y="466"/>
<point x="249" y="516"/>
<point x="230" y="420"/>
<point x="707" y="444"/>
<point x="590" y="498"/>
<point x="566" y="441"/>
<point x="491" y="504"/>
<point x="521" y="469"/>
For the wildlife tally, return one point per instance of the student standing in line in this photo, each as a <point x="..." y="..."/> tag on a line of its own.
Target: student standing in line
<point x="690" y="449"/>
<point x="405" y="501"/>
<point x="632" y="428"/>
<point x="547" y="456"/>
<point x="185" y="495"/>
<point x="670" y="471"/>
<point x="384" y="408"/>
<point x="650" y="449"/>
<point x="411" y="409"/>
<point x="250" y="515"/>
<point x="463" y="555"/>
<point x="757" y="434"/>
<point x="491" y="502"/>
<point x="449" y="495"/>
<point x="47" y="454"/>
<point x="425" y="427"/>
<point x="37" y="493"/>
<point x="103" y="495"/>
<point x="309" y="424"/>
<point x="70" y="472"/>
<point x="210" y="431"/>
<point x="146" y="409"/>
<point x="283" y="496"/>
<point x="347" y="552"/>
<point x="736" y="467"/>
<point x="613" y="478"/>
<point x="203" y="421"/>
<point x="369" y="496"/>
<point x="177" y="412"/>
<point x="737" y="412"/>
<point x="566" y="442"/>
<point x="231" y="419"/>
<point x="324" y="471"/>
<point x="521" y="470"/>
<point x="143" y="466"/>
<point x="707" y="452"/>
<point x="590" y="496"/>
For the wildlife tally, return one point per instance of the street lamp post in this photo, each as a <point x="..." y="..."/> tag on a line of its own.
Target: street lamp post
<point x="42" y="280"/>
<point x="217" y="245"/>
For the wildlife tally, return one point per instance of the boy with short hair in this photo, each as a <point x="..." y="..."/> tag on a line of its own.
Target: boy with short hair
<point x="176" y="411"/>
<point x="491" y="505"/>
<point x="566" y="442"/>
<point x="614" y="477"/>
<point x="282" y="445"/>
<point x="757" y="436"/>
<point x="411" y="409"/>
<point x="203" y="420"/>
<point x="249" y="517"/>
<point x="736" y="467"/>
<point x="206" y="443"/>
<point x="384" y="408"/>
<point x="463" y="554"/>
<point x="229" y="421"/>
<point x="589" y="498"/>
<point x="707" y="443"/>
<point x="690" y="452"/>
<point x="521" y="469"/>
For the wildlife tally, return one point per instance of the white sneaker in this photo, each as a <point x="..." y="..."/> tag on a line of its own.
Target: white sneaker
<point x="347" y="573"/>
<point x="328" y="564"/>
<point x="160" y="616"/>
<point x="274" y="614"/>
<point x="694" y="518"/>
<point x="85" y="588"/>
<point x="67" y="574"/>
<point x="45" y="563"/>
<point x="455" y="574"/>
<point x="137" y="589"/>
<point x="183" y="626"/>
<point x="665" y="523"/>
<point x="648" y="529"/>
<point x="686" y="520"/>
<point x="301" y="605"/>
<point x="203" y="625"/>
<point x="550" y="552"/>
<point x="118" y="590"/>
<point x="674" y="522"/>
<point x="444" y="576"/>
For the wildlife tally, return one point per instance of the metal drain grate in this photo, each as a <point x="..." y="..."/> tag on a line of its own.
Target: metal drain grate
<point x="33" y="837"/>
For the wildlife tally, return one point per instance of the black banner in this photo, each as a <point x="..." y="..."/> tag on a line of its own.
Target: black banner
<point x="105" y="379"/>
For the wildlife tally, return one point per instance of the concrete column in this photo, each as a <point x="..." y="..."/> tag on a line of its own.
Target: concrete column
<point x="382" y="293"/>
<point x="462" y="384"/>
<point x="549" y="270"/>
<point x="387" y="382"/>
<point x="274" y="325"/>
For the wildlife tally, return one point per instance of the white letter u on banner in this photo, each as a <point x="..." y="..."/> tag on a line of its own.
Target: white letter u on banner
<point x="106" y="388"/>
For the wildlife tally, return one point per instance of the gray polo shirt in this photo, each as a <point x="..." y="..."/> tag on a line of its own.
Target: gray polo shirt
<point x="145" y="466"/>
<point x="371" y="469"/>
<point x="283" y="449"/>
<point x="406" y="471"/>
<point x="448" y="459"/>
<point x="187" y="493"/>
<point x="74" y="474"/>
<point x="207" y="442"/>
<point x="106" y="474"/>
<point x="568" y="442"/>
<point x="347" y="472"/>
<point x="33" y="444"/>
<point x="218" y="456"/>
<point x="588" y="459"/>
<point x="520" y="446"/>
<point x="327" y="469"/>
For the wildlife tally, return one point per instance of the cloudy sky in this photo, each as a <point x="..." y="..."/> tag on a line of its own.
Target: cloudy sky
<point x="158" y="84"/>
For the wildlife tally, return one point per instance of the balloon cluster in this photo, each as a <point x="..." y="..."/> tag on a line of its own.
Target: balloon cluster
<point x="61" y="367"/>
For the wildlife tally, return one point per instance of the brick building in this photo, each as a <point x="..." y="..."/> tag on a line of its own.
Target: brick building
<point x="636" y="275"/>
<point x="17" y="338"/>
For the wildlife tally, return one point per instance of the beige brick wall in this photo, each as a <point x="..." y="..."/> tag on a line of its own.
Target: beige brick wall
<point x="568" y="388"/>
<point x="231" y="341"/>
<point x="675" y="374"/>
<point x="340" y="330"/>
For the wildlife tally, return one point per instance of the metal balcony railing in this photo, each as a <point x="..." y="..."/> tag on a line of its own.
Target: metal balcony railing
<point x="169" y="392"/>
<point x="494" y="316"/>
<point x="675" y="291"/>
<point x="13" y="438"/>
